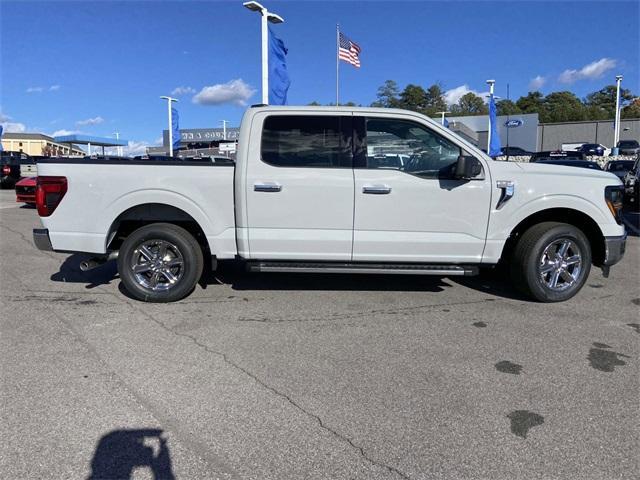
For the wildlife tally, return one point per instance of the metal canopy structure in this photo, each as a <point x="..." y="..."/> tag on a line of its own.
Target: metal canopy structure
<point x="90" y="140"/>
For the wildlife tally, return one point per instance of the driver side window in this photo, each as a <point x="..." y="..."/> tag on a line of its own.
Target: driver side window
<point x="409" y="147"/>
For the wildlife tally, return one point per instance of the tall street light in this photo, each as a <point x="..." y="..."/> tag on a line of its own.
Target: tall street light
<point x="169" y="101"/>
<point x="616" y="131"/>
<point x="491" y="84"/>
<point x="118" y="148"/>
<point x="442" y="114"/>
<point x="267" y="16"/>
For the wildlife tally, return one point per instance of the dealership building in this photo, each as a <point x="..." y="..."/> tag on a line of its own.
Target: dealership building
<point x="36" y="144"/>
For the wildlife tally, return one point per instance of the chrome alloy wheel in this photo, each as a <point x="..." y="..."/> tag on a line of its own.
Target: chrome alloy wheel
<point x="560" y="264"/>
<point x="157" y="265"/>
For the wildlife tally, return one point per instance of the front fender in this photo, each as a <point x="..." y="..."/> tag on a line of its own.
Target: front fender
<point x="503" y="221"/>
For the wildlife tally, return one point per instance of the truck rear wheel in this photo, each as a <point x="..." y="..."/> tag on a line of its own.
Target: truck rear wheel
<point x="551" y="262"/>
<point x="160" y="262"/>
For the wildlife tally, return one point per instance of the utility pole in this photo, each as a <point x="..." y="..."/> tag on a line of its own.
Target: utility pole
<point x="267" y="16"/>
<point x="169" y="102"/>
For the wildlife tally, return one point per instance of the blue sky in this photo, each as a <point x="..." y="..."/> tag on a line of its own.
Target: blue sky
<point x="100" y="66"/>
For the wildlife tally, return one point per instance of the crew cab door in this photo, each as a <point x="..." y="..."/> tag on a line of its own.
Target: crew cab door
<point x="299" y="187"/>
<point x="408" y="206"/>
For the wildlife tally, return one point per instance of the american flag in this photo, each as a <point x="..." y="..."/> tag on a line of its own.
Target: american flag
<point x="349" y="51"/>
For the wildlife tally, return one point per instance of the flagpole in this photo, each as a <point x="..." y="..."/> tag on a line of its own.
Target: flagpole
<point x="337" y="61"/>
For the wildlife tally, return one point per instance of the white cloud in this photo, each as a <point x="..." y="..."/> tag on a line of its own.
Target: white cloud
<point x="593" y="70"/>
<point x="134" y="148"/>
<point x="537" y="83"/>
<point x="52" y="88"/>
<point x="454" y="95"/>
<point x="63" y="132"/>
<point x="13" y="127"/>
<point x="90" y="121"/>
<point x="179" y="91"/>
<point x="236" y="92"/>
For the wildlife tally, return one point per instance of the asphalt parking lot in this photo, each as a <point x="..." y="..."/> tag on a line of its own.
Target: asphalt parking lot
<point x="289" y="376"/>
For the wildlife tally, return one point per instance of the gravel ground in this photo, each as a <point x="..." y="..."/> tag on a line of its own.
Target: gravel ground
<point x="301" y="376"/>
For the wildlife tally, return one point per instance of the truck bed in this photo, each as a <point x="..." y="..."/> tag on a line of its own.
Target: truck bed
<point x="100" y="190"/>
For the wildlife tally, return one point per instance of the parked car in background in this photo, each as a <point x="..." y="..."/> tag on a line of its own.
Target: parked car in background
<point x="594" y="149"/>
<point x="571" y="163"/>
<point x="619" y="168"/>
<point x="628" y="147"/>
<point x="631" y="186"/>
<point x="515" y="152"/>
<point x="557" y="155"/>
<point x="26" y="191"/>
<point x="10" y="167"/>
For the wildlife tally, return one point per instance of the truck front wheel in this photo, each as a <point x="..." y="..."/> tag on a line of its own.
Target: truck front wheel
<point x="551" y="261"/>
<point x="160" y="262"/>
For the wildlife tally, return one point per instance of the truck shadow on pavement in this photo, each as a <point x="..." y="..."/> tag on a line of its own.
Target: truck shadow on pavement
<point x="120" y="452"/>
<point x="70" y="272"/>
<point x="238" y="279"/>
<point x="490" y="281"/>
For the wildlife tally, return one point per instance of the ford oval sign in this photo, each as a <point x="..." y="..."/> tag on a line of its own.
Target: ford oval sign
<point x="516" y="122"/>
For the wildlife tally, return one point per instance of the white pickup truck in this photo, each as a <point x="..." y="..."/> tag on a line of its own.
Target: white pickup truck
<point x="334" y="190"/>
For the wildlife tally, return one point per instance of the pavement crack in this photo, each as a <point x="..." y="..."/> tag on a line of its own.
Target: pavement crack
<point x="347" y="316"/>
<point x="276" y="392"/>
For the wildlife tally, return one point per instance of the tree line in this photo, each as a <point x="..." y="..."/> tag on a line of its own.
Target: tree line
<point x="560" y="106"/>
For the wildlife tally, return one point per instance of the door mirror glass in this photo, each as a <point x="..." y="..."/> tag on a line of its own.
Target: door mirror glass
<point x="467" y="167"/>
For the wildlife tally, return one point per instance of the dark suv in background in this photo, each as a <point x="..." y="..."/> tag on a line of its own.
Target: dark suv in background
<point x="628" y="147"/>
<point x="631" y="187"/>
<point x="10" y="167"/>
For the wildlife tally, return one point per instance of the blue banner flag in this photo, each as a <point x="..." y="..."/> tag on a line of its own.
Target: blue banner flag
<point x="175" y="129"/>
<point x="494" y="144"/>
<point x="1" y="137"/>
<point x="278" y="76"/>
<point x="446" y="123"/>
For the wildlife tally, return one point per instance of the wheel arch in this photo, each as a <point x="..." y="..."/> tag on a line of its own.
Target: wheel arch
<point x="147" y="213"/>
<point x="564" y="215"/>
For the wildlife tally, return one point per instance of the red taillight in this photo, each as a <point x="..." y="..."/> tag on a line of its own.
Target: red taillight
<point x="49" y="193"/>
<point x="6" y="169"/>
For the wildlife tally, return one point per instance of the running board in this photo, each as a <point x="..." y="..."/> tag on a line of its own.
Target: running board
<point x="381" y="268"/>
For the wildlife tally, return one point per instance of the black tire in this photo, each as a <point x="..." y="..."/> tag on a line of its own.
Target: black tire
<point x="537" y="246"/>
<point x="184" y="262"/>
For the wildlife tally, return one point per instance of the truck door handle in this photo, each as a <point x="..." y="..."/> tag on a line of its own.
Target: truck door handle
<point x="376" y="189"/>
<point x="267" y="187"/>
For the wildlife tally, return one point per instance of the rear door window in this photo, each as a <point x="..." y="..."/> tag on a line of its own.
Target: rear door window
<point x="307" y="141"/>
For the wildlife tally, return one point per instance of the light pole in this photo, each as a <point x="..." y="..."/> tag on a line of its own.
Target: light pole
<point x="224" y="128"/>
<point x="442" y="114"/>
<point x="169" y="101"/>
<point x="118" y="148"/>
<point x="616" y="130"/>
<point x="491" y="84"/>
<point x="267" y="16"/>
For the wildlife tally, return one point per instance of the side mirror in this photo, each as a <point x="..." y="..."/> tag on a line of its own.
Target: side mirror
<point x="467" y="167"/>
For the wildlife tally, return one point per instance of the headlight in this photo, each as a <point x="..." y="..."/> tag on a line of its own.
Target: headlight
<point x="614" y="195"/>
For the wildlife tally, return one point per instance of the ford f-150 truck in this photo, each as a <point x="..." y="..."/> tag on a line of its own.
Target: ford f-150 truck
<point x="313" y="190"/>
